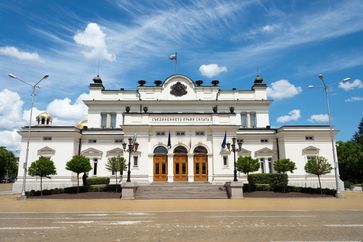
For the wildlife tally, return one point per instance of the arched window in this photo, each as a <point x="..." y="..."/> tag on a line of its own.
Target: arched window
<point x="200" y="150"/>
<point x="180" y="150"/>
<point x="43" y="120"/>
<point x="160" y="150"/>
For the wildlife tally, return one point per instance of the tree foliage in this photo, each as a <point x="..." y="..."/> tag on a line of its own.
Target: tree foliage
<point x="78" y="164"/>
<point x="116" y="164"/>
<point x="246" y="164"/>
<point x="43" y="167"/>
<point x="8" y="166"/>
<point x="284" y="165"/>
<point x="358" y="136"/>
<point x="318" y="165"/>
<point x="350" y="156"/>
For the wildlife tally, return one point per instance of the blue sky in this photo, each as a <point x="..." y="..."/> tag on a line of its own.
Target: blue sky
<point x="287" y="42"/>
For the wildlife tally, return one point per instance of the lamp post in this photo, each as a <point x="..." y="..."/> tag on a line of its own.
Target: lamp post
<point x="132" y="147"/>
<point x="235" y="149"/>
<point x="336" y="167"/>
<point x="25" y="165"/>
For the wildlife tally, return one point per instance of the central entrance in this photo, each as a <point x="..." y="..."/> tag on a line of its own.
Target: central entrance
<point x="160" y="164"/>
<point x="180" y="164"/>
<point x="200" y="164"/>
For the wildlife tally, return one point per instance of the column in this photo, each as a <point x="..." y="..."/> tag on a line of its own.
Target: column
<point x="170" y="168"/>
<point x="190" y="168"/>
<point x="248" y="120"/>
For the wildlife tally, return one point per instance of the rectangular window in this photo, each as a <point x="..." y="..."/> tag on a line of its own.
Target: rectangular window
<point x="308" y="157"/>
<point x="225" y="160"/>
<point x="95" y="167"/>
<point x="253" y="120"/>
<point x="199" y="133"/>
<point x="92" y="141"/>
<point x="244" y="120"/>
<point x="269" y="165"/>
<point x="309" y="137"/>
<point x="47" y="138"/>
<point x="264" y="140"/>
<point x="136" y="161"/>
<point x="103" y="120"/>
<point x="180" y="133"/>
<point x="160" y="133"/>
<point x="113" y="120"/>
<point x="118" y="140"/>
<point x="262" y="163"/>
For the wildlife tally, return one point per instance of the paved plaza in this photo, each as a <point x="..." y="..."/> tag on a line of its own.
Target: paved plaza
<point x="250" y="219"/>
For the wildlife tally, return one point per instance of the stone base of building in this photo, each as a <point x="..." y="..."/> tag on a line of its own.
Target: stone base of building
<point x="128" y="190"/>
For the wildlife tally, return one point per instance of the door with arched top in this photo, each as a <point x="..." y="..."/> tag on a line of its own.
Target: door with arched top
<point x="200" y="164"/>
<point x="180" y="164"/>
<point x="160" y="164"/>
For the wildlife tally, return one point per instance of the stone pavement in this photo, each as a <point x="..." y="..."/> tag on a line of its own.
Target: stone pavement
<point x="351" y="201"/>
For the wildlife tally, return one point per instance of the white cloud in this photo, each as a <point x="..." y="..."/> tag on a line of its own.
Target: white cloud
<point x="354" y="99"/>
<point x="292" y="116"/>
<point x="21" y="55"/>
<point x="319" y="118"/>
<point x="211" y="70"/>
<point x="269" y="28"/>
<point x="348" y="86"/>
<point x="10" y="109"/>
<point x="283" y="89"/>
<point x="10" y="139"/>
<point x="94" y="38"/>
<point x="66" y="113"/>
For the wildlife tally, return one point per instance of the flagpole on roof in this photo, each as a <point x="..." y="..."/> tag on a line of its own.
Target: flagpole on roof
<point x="176" y="63"/>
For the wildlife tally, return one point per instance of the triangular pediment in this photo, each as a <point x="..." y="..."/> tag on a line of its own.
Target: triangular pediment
<point x="46" y="151"/>
<point x="264" y="151"/>
<point x="92" y="152"/>
<point x="115" y="152"/>
<point x="244" y="152"/>
<point x="310" y="150"/>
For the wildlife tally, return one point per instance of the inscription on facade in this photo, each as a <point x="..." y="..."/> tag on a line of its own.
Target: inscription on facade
<point x="181" y="119"/>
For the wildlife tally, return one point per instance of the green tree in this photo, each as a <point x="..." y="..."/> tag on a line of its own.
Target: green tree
<point x="350" y="156"/>
<point x="358" y="136"/>
<point x="284" y="165"/>
<point x="79" y="164"/>
<point x="318" y="165"/>
<point x="246" y="164"/>
<point x="8" y="166"/>
<point x="43" y="167"/>
<point x="116" y="164"/>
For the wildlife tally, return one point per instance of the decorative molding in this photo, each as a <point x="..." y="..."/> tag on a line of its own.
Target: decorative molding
<point x="46" y="151"/>
<point x="178" y="89"/>
<point x="244" y="152"/>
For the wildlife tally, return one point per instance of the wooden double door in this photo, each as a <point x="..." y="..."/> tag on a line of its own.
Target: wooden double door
<point x="180" y="168"/>
<point x="200" y="168"/>
<point x="160" y="168"/>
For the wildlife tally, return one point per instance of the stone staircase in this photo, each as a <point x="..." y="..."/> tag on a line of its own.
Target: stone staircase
<point x="181" y="191"/>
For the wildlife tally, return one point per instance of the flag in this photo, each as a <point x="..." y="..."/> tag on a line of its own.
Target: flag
<point x="172" y="56"/>
<point x="169" y="141"/>
<point x="224" y="142"/>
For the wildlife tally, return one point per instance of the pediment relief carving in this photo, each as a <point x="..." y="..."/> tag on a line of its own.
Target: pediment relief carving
<point x="244" y="152"/>
<point x="46" y="151"/>
<point x="178" y="89"/>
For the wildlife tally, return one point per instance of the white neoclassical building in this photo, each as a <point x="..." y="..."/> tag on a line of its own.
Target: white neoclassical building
<point x="180" y="125"/>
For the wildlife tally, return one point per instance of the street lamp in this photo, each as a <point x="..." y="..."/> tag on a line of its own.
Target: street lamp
<point x="132" y="147"/>
<point x="36" y="85"/>
<point x="336" y="167"/>
<point x="235" y="149"/>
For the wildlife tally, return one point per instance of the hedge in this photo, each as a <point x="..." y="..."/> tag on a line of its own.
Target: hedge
<point x="98" y="180"/>
<point x="277" y="182"/>
<point x="105" y="188"/>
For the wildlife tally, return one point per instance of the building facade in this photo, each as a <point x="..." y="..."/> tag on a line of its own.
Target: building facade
<point x="179" y="125"/>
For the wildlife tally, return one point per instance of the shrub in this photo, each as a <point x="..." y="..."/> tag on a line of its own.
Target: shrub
<point x="277" y="182"/>
<point x="311" y="190"/>
<point x="348" y="184"/>
<point x="98" y="180"/>
<point x="75" y="189"/>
